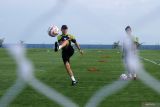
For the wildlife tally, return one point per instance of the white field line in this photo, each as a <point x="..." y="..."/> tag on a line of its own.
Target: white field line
<point x="150" y="61"/>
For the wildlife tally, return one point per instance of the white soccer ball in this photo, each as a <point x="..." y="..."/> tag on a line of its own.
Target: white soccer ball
<point x="124" y="77"/>
<point x="53" y="31"/>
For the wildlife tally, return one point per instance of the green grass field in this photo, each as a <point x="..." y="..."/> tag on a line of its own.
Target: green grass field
<point x="93" y="70"/>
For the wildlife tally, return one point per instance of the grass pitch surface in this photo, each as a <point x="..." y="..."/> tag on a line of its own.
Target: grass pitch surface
<point x="93" y="70"/>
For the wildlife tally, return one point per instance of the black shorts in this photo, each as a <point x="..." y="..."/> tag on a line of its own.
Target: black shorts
<point x="67" y="53"/>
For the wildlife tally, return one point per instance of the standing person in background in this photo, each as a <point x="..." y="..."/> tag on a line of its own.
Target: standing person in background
<point x="129" y="51"/>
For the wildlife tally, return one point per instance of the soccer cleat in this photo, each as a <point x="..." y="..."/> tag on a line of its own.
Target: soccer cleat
<point x="56" y="47"/>
<point x="134" y="78"/>
<point x="74" y="83"/>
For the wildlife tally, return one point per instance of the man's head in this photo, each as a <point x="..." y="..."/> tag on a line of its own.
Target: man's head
<point x="128" y="30"/>
<point x="64" y="29"/>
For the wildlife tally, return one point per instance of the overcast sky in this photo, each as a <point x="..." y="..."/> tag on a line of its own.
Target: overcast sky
<point x="91" y="21"/>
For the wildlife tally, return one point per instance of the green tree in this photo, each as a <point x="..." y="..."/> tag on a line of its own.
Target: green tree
<point x="1" y="42"/>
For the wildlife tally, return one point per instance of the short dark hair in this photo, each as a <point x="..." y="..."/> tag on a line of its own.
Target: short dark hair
<point x="128" y="27"/>
<point x="64" y="27"/>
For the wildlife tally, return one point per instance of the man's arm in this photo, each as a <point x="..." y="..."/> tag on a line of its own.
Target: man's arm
<point x="122" y="48"/>
<point x="76" y="44"/>
<point x="78" y="47"/>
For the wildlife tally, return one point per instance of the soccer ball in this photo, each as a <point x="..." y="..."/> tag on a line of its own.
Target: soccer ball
<point x="53" y="31"/>
<point x="123" y="77"/>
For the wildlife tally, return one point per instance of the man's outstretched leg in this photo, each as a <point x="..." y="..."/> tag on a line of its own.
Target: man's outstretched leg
<point x="70" y="72"/>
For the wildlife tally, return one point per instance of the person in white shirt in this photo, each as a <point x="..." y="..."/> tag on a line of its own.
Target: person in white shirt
<point x="129" y="53"/>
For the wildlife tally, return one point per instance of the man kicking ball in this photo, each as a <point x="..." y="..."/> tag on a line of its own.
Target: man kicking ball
<point x="64" y="43"/>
